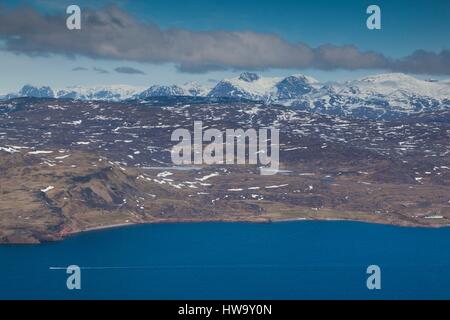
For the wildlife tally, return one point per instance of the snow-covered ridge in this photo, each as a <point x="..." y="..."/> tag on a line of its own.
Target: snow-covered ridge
<point x="111" y="92"/>
<point x="253" y="87"/>
<point x="106" y="93"/>
<point x="388" y="84"/>
<point x="383" y="96"/>
<point x="379" y="96"/>
<point x="192" y="89"/>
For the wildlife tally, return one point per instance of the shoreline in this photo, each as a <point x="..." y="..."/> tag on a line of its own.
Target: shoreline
<point x="250" y="221"/>
<point x="65" y="234"/>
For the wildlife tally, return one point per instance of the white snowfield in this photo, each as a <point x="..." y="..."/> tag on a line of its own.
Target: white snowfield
<point x="47" y="189"/>
<point x="193" y="88"/>
<point x="259" y="89"/>
<point x="9" y="149"/>
<point x="397" y="91"/>
<point x="390" y="83"/>
<point x="40" y="152"/>
<point x="109" y="92"/>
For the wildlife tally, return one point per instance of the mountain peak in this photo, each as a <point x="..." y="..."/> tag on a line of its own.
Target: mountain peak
<point x="248" y="76"/>
<point x="37" y="92"/>
<point x="305" y="78"/>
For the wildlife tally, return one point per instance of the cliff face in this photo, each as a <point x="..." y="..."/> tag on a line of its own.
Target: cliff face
<point x="43" y="198"/>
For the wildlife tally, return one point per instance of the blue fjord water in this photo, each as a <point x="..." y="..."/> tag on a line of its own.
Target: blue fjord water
<point x="289" y="260"/>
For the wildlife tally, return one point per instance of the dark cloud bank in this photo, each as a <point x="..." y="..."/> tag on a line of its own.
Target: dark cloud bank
<point x="79" y="69"/>
<point x="128" y="70"/>
<point x="113" y="34"/>
<point x="100" y="70"/>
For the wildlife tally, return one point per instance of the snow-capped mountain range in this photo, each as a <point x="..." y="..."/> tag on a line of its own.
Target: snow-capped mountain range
<point x="382" y="96"/>
<point x="385" y="96"/>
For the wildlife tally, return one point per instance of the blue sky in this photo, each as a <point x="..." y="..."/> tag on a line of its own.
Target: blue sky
<point x="406" y="26"/>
